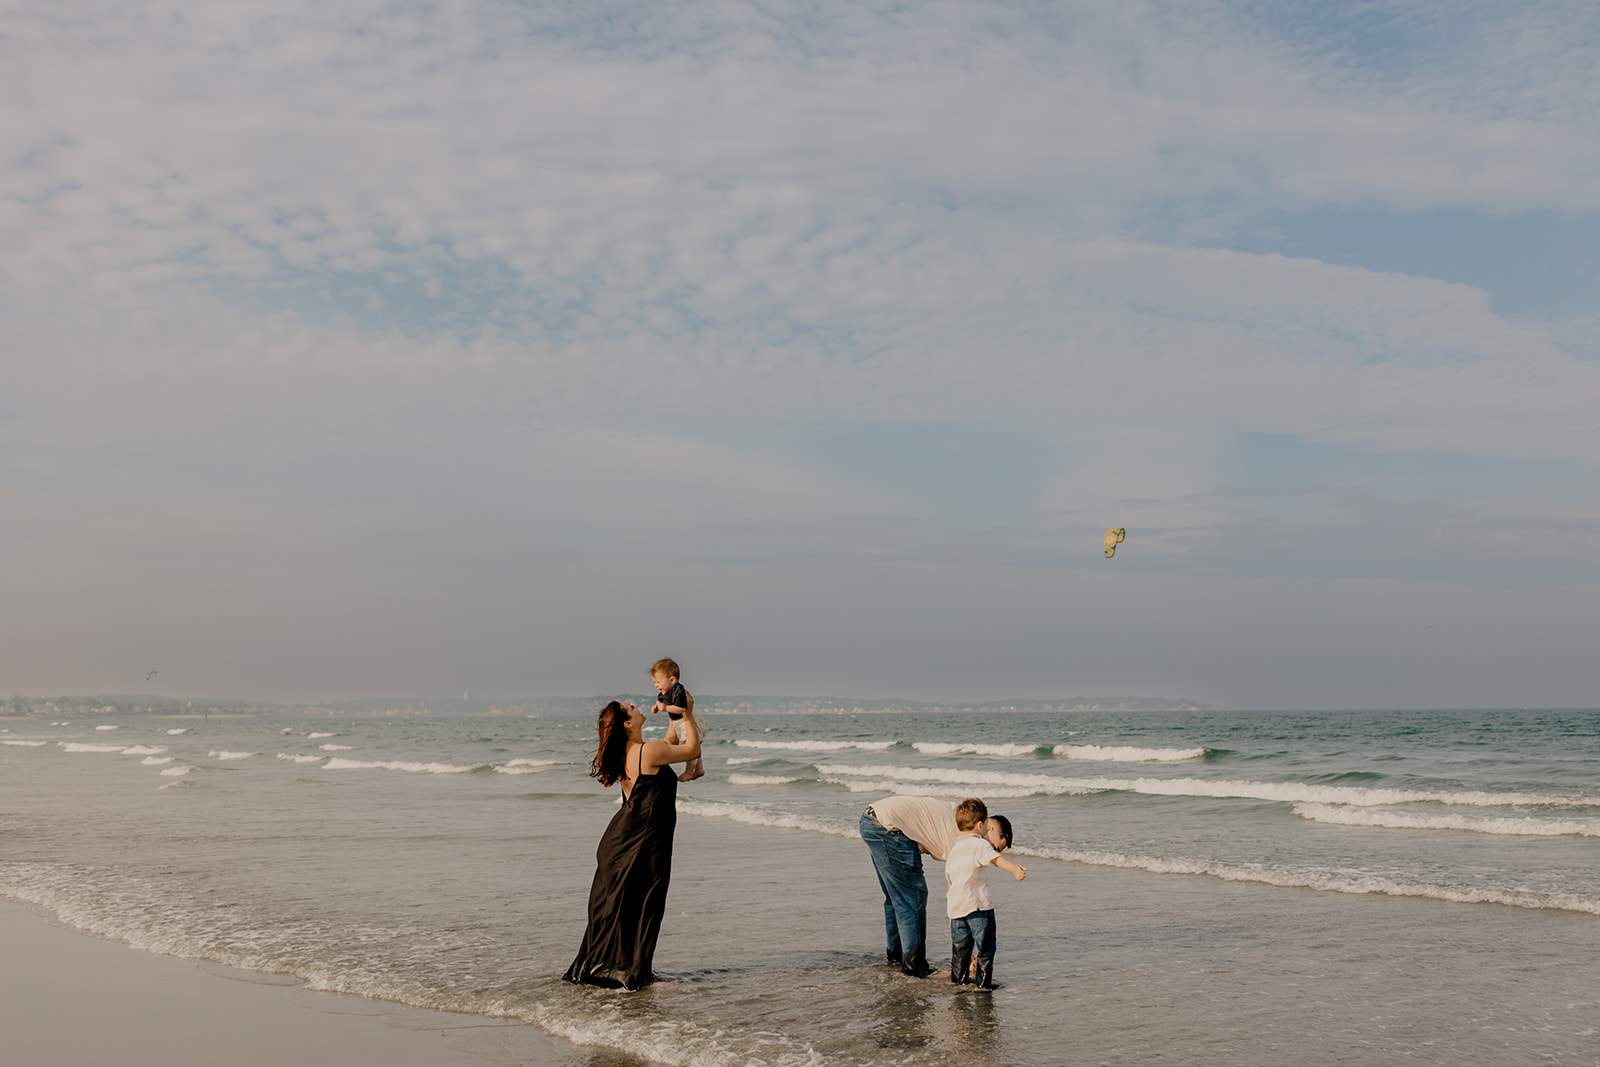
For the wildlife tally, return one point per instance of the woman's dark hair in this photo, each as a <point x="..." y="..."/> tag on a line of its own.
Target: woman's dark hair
<point x="611" y="758"/>
<point x="1005" y="827"/>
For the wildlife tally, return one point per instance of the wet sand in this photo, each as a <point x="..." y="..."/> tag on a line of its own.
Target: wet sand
<point x="71" y="1000"/>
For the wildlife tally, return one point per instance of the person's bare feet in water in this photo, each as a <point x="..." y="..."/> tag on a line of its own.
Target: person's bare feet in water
<point x="692" y="770"/>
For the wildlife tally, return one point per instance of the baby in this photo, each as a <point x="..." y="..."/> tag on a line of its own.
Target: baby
<point x="679" y="706"/>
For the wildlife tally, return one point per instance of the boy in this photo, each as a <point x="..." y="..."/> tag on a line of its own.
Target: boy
<point x="679" y="706"/>
<point x="967" y="892"/>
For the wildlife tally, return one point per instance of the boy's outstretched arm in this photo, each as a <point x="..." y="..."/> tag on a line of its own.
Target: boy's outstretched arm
<point x="1006" y="865"/>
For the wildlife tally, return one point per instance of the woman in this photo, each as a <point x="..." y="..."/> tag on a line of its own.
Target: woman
<point x="634" y="860"/>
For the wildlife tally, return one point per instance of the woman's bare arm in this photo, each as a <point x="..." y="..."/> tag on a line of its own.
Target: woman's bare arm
<point x="660" y="753"/>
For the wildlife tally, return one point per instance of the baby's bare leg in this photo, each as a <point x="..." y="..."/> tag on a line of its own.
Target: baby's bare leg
<point x="695" y="768"/>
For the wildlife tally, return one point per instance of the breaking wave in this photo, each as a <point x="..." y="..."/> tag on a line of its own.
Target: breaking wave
<point x="1289" y="792"/>
<point x="1327" y="881"/>
<point x="814" y="746"/>
<point x="1341" y="815"/>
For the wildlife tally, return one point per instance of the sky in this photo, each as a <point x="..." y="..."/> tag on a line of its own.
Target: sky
<point x="414" y="348"/>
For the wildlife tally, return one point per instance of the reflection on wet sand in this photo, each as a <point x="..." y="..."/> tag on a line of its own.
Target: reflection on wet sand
<point x="961" y="1024"/>
<point x="970" y="1024"/>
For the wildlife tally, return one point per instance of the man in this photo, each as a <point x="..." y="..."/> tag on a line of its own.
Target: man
<point x="898" y="830"/>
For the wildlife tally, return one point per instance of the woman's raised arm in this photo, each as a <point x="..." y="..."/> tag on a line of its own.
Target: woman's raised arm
<point x="661" y="753"/>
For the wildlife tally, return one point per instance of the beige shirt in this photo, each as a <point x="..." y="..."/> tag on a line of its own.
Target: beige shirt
<point x="930" y="823"/>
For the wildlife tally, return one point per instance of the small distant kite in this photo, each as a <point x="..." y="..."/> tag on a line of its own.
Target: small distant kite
<point x="1114" y="538"/>
<point x="147" y="676"/>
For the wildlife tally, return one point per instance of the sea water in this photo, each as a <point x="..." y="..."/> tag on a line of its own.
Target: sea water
<point x="1203" y="887"/>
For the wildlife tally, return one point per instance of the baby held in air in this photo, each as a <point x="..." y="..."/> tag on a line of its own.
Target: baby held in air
<point x="679" y="705"/>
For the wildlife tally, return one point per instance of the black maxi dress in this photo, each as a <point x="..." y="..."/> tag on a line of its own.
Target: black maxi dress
<point x="629" y="895"/>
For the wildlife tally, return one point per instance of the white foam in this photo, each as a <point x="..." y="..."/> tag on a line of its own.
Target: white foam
<point x="156" y="761"/>
<point x="676" y="1042"/>
<point x="105" y="727"/>
<point x="715" y="809"/>
<point x="815" y="746"/>
<point x="231" y="755"/>
<point x="340" y="764"/>
<point x="734" y="761"/>
<point x="1342" y="815"/>
<point x="525" y="766"/>
<point x="179" y="730"/>
<point x="883" y="786"/>
<point x="939" y="748"/>
<point x="174" y="772"/>
<point x="1328" y="881"/>
<point x="759" y="779"/>
<point x="292" y="758"/>
<point x="335" y="748"/>
<point x="329" y="733"/>
<point x="25" y="744"/>
<point x="880" y="785"/>
<point x="1288" y="792"/>
<point x="79" y="746"/>
<point x="142" y="750"/>
<point x="959" y="776"/>
<point x="1126" y="754"/>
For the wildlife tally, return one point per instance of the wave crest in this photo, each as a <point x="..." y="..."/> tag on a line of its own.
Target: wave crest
<point x="814" y="746"/>
<point x="338" y="763"/>
<point x="1288" y="792"/>
<point x="1129" y="754"/>
<point x="939" y="748"/>
<point x="1342" y="815"/>
<point x="1327" y="881"/>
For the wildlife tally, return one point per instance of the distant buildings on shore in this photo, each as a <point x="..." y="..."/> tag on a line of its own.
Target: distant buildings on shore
<point x="78" y="707"/>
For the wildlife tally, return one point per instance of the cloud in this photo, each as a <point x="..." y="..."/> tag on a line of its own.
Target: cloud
<point x="462" y="291"/>
<point x="246" y="140"/>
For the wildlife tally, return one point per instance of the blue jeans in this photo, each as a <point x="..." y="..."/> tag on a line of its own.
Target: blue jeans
<point x="905" y="895"/>
<point x="964" y="932"/>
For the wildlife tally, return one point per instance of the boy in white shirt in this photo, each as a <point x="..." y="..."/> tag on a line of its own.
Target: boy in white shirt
<point x="967" y="892"/>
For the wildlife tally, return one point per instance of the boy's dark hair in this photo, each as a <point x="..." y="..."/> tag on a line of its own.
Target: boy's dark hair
<point x="1005" y="827"/>
<point x="668" y="667"/>
<point x="969" y="813"/>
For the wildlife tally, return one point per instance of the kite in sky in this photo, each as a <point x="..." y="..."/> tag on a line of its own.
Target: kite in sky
<point x="147" y="676"/>
<point x="1114" y="538"/>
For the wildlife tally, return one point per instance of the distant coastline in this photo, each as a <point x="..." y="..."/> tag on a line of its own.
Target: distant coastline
<point x="96" y="706"/>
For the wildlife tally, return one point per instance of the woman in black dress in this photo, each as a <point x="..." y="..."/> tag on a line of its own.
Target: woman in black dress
<point x="634" y="860"/>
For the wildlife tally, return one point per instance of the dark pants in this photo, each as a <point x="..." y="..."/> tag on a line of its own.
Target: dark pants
<point x="977" y="928"/>
<point x="905" y="895"/>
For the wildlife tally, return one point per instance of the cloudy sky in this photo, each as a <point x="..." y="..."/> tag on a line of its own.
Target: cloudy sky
<point x="383" y="348"/>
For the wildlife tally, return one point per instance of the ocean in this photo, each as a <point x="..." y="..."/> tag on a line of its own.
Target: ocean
<point x="1204" y="887"/>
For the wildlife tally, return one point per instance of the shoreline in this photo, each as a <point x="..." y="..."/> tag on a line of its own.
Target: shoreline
<point x="69" y="998"/>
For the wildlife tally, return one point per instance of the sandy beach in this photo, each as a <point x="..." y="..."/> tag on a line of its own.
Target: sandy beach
<point x="71" y="1000"/>
<point x="1338" y="889"/>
